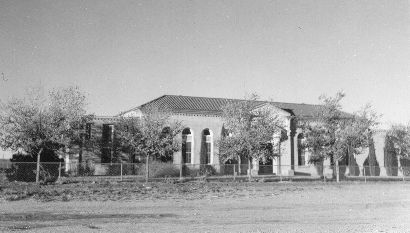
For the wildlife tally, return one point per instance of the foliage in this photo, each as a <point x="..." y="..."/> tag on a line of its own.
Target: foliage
<point x="159" y="169"/>
<point x="371" y="165"/>
<point x="23" y="167"/>
<point x="249" y="128"/>
<point x="152" y="135"/>
<point x="390" y="157"/>
<point x="37" y="123"/>
<point x="128" y="135"/>
<point x="336" y="134"/>
<point x="399" y="135"/>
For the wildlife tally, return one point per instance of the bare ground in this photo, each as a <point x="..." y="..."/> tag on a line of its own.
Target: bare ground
<point x="207" y="207"/>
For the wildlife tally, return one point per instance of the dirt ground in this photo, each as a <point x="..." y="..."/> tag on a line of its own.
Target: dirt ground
<point x="220" y="207"/>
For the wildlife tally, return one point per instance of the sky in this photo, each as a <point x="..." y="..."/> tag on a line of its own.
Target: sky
<point x="125" y="53"/>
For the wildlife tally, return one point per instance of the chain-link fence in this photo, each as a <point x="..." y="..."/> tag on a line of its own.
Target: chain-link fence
<point x="51" y="172"/>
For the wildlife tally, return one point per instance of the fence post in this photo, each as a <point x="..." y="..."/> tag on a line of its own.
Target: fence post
<point x="59" y="170"/>
<point x="121" y="171"/>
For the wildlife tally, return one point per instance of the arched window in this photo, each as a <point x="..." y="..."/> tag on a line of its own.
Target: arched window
<point x="207" y="147"/>
<point x="301" y="150"/>
<point x="187" y="140"/>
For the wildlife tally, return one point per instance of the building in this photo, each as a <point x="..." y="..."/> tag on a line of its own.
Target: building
<point x="202" y="118"/>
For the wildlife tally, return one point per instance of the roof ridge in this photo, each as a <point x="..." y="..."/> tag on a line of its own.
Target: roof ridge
<point x="268" y="101"/>
<point x="212" y="104"/>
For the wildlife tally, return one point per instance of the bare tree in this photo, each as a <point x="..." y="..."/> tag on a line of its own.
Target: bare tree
<point x="38" y="122"/>
<point x="337" y="135"/>
<point x="153" y="135"/>
<point x="250" y="127"/>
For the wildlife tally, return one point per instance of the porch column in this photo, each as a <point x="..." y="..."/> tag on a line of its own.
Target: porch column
<point x="276" y="161"/>
<point x="286" y="160"/>
<point x="327" y="168"/>
<point x="399" y="169"/>
<point x="296" y="150"/>
<point x="255" y="167"/>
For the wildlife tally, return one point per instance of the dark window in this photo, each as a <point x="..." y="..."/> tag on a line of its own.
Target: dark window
<point x="301" y="151"/>
<point x="107" y="143"/>
<point x="186" y="146"/>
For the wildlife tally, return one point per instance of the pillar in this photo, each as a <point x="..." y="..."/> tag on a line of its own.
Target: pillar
<point x="275" y="164"/>
<point x="296" y="150"/>
<point x="379" y="140"/>
<point x="399" y="169"/>
<point x="255" y="167"/>
<point x="327" y="168"/>
<point x="286" y="156"/>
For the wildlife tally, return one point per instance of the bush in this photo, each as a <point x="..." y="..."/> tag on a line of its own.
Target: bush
<point x="405" y="164"/>
<point x="27" y="172"/>
<point x="24" y="167"/>
<point x="160" y="170"/>
<point x="201" y="170"/>
<point x="87" y="169"/>
<point x="207" y="170"/>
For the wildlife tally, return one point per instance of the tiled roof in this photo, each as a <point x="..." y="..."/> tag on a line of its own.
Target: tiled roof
<point x="213" y="106"/>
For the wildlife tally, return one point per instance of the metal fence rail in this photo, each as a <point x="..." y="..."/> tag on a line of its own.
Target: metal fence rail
<point x="51" y="172"/>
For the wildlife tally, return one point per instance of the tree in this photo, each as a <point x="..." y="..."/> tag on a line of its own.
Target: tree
<point x="399" y="137"/>
<point x="153" y="135"/>
<point x="128" y="135"/>
<point x="337" y="135"/>
<point x="250" y="127"/>
<point x="37" y="122"/>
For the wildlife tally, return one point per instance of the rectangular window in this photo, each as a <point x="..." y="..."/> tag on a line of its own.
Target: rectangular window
<point x="107" y="143"/>
<point x="187" y="158"/>
<point x="208" y="153"/>
<point x="208" y="141"/>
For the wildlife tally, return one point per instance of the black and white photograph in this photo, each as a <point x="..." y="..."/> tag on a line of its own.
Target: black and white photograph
<point x="205" y="116"/>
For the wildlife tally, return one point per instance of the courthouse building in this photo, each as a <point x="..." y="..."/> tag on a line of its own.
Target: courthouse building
<point x="202" y="119"/>
<point x="203" y="122"/>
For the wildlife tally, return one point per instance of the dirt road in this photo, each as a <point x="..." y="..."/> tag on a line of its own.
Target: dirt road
<point x="267" y="207"/>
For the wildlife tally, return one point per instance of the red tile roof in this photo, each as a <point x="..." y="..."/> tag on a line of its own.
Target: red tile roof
<point x="213" y="106"/>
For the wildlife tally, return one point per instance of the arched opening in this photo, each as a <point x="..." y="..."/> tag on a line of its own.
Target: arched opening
<point x="301" y="151"/>
<point x="187" y="141"/>
<point x="206" y="147"/>
<point x="266" y="164"/>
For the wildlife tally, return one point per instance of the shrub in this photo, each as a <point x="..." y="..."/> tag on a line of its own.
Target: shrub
<point x="405" y="164"/>
<point x="160" y="169"/>
<point x="87" y="168"/>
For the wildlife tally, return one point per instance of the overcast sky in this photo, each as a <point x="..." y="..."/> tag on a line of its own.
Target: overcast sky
<point x="124" y="53"/>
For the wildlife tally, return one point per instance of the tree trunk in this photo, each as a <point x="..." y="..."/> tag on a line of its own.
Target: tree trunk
<point x="80" y="155"/>
<point x="249" y="169"/>
<point x="147" y="169"/>
<point x="181" y="167"/>
<point x="399" y="168"/>
<point x="239" y="165"/>
<point x="337" y="171"/>
<point x="352" y="171"/>
<point x="38" y="166"/>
